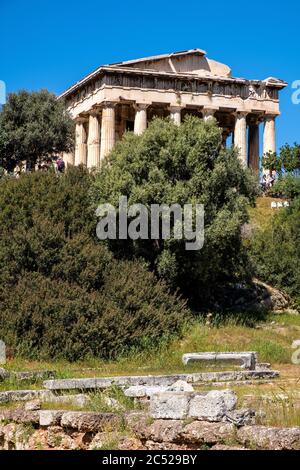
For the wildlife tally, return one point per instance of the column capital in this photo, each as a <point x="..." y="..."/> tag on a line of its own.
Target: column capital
<point x="95" y="112"/>
<point x="81" y="119"/>
<point x="241" y="113"/>
<point x="141" y="106"/>
<point x="208" y="112"/>
<point x="108" y="104"/>
<point x="175" y="113"/>
<point x="210" y="109"/>
<point x="173" y="108"/>
<point x="270" y="117"/>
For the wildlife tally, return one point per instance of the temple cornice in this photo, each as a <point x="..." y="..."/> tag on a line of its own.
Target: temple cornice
<point x="271" y="83"/>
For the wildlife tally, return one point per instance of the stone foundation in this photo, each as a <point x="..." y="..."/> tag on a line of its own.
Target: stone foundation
<point x="135" y="430"/>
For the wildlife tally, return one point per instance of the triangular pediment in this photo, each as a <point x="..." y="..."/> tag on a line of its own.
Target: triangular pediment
<point x="193" y="61"/>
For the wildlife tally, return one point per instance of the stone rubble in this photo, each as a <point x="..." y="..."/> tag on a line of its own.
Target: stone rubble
<point x="33" y="405"/>
<point x="178" y="417"/>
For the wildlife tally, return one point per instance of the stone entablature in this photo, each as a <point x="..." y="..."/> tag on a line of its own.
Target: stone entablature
<point x="125" y="96"/>
<point x="186" y="86"/>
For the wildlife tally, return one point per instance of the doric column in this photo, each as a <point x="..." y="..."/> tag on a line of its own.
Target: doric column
<point x="208" y="113"/>
<point x="269" y="134"/>
<point x="175" y="114"/>
<point x="93" y="154"/>
<point x="80" y="143"/>
<point x="240" y="136"/>
<point x="68" y="158"/>
<point x="253" y="144"/>
<point x="108" y="129"/>
<point x="140" y="120"/>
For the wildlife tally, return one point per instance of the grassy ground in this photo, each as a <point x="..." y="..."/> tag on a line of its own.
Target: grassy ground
<point x="272" y="340"/>
<point x="261" y="214"/>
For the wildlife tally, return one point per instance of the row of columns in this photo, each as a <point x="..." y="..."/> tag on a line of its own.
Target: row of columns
<point x="90" y="149"/>
<point x="240" y="138"/>
<point x="92" y="152"/>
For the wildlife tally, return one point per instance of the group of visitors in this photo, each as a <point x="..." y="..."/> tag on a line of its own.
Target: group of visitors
<point x="267" y="181"/>
<point x="55" y="164"/>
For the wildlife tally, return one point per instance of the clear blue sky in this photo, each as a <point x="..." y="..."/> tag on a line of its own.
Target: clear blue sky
<point x="52" y="44"/>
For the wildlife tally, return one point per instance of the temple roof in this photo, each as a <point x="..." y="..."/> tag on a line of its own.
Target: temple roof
<point x="189" y="63"/>
<point x="199" y="52"/>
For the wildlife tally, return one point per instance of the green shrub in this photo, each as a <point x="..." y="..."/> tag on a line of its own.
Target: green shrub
<point x="288" y="186"/>
<point x="62" y="294"/>
<point x="45" y="318"/>
<point x="33" y="125"/>
<point x="185" y="165"/>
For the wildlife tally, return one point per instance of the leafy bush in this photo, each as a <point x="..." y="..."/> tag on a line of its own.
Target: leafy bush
<point x="32" y="126"/>
<point x="287" y="161"/>
<point x="62" y="294"/>
<point x="288" y="186"/>
<point x="46" y="318"/>
<point x="185" y="165"/>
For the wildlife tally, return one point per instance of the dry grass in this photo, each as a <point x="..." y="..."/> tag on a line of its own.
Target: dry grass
<point x="271" y="341"/>
<point x="279" y="399"/>
<point x="261" y="214"/>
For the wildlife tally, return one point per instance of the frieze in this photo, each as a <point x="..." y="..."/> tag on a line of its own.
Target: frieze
<point x="245" y="91"/>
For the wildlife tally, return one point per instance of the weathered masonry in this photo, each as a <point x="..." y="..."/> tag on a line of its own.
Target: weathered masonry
<point x="127" y="95"/>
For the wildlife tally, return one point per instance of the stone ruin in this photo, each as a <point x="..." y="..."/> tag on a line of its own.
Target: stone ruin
<point x="172" y="413"/>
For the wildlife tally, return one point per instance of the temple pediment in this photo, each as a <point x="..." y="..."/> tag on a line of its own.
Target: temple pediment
<point x="192" y="61"/>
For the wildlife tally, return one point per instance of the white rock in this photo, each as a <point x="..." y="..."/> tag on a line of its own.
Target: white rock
<point x="180" y="386"/>
<point x="141" y="391"/>
<point x="79" y="400"/>
<point x="33" y="405"/>
<point x="113" y="403"/>
<point x="213" y="406"/>
<point x="169" y="405"/>
<point x="50" y="417"/>
<point x="230" y="399"/>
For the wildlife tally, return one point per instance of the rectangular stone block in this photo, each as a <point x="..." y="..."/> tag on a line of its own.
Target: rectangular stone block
<point x="50" y="417"/>
<point x="34" y="376"/>
<point x="89" y="421"/>
<point x="154" y="380"/>
<point x="212" y="406"/>
<point x="24" y="395"/>
<point x="79" y="400"/>
<point x="247" y="359"/>
<point x="169" y="405"/>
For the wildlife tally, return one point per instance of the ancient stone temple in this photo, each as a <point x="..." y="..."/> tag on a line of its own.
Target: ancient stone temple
<point x="127" y="95"/>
